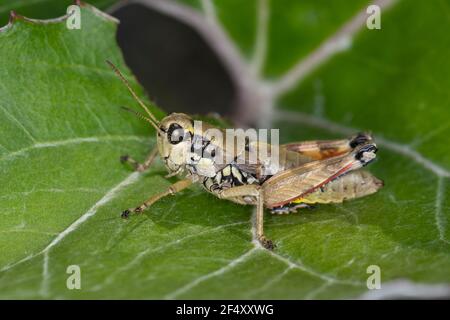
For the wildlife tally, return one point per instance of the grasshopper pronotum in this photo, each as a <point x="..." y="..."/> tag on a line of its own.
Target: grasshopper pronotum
<point x="307" y="172"/>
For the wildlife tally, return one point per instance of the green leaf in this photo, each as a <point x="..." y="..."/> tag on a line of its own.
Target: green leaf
<point x="63" y="186"/>
<point x="42" y="9"/>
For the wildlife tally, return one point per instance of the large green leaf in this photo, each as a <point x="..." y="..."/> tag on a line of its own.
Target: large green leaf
<point x="63" y="187"/>
<point x="42" y="9"/>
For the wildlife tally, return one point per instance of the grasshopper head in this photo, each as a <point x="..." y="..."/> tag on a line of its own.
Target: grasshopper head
<point x="174" y="139"/>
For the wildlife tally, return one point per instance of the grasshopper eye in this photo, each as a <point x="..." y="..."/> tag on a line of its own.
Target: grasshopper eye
<point x="175" y="134"/>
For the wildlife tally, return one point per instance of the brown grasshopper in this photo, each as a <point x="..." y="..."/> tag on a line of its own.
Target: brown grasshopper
<point x="308" y="172"/>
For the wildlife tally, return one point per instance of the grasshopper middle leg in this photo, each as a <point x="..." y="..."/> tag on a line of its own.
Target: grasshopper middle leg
<point x="174" y="188"/>
<point x="256" y="192"/>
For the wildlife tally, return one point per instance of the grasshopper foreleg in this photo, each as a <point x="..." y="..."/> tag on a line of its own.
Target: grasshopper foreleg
<point x="140" y="166"/>
<point x="174" y="188"/>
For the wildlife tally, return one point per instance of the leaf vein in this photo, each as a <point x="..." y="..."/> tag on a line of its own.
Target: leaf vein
<point x="143" y="254"/>
<point x="110" y="195"/>
<point x="242" y="258"/>
<point x="59" y="143"/>
<point x="439" y="219"/>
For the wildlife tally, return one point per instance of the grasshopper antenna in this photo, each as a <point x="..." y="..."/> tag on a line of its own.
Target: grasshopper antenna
<point x="141" y="116"/>
<point x="117" y="71"/>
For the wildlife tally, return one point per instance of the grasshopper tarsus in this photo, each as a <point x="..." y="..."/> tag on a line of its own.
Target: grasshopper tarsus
<point x="125" y="214"/>
<point x="124" y="158"/>
<point x="266" y="243"/>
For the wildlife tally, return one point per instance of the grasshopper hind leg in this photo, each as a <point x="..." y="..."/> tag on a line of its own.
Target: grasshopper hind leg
<point x="324" y="149"/>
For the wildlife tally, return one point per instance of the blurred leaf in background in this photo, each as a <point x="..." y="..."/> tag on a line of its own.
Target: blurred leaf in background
<point x="43" y="9"/>
<point x="64" y="187"/>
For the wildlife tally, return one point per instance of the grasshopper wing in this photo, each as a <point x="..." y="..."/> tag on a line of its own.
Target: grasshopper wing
<point x="293" y="184"/>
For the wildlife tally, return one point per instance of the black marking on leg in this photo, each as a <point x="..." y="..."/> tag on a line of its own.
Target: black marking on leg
<point x="360" y="155"/>
<point x="360" y="139"/>
<point x="138" y="210"/>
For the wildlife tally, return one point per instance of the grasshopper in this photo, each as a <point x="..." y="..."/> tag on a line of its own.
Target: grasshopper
<point x="308" y="172"/>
